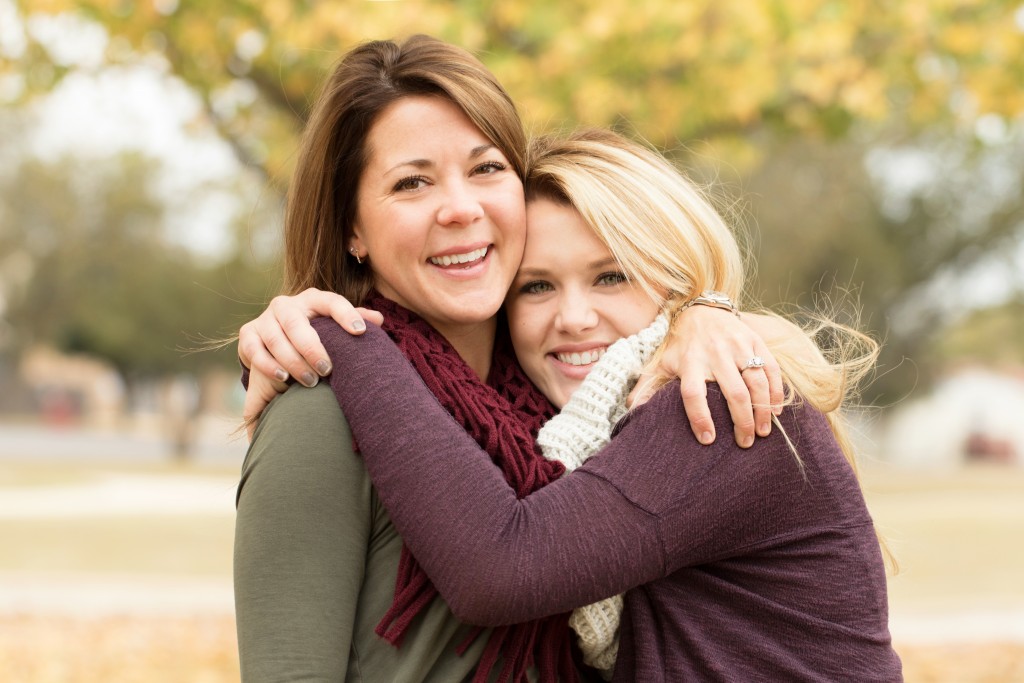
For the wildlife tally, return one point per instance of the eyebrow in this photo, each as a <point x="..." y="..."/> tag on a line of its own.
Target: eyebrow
<point x="542" y="272"/>
<point x="474" y="153"/>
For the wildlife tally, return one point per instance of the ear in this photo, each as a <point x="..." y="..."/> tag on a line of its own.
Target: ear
<point x="355" y="243"/>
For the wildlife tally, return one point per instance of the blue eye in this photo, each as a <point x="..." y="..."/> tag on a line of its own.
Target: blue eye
<point x="611" y="279"/>
<point x="536" y="287"/>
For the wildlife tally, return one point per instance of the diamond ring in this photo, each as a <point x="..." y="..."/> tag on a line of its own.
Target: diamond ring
<point x="755" y="362"/>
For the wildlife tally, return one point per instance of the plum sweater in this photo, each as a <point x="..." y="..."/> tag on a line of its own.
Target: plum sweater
<point x="737" y="565"/>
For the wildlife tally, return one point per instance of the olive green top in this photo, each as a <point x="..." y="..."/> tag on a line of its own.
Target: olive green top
<point x="316" y="557"/>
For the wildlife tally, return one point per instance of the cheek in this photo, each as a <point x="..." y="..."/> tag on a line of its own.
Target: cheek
<point x="526" y="327"/>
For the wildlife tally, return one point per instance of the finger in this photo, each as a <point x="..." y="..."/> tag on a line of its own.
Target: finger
<point x="261" y="361"/>
<point x="694" y="391"/>
<point x="260" y="392"/>
<point x="285" y="330"/>
<point x="735" y="390"/>
<point x="776" y="388"/>
<point x="317" y="302"/>
<point x="376" y="317"/>
<point x="254" y="355"/>
<point x="757" y="386"/>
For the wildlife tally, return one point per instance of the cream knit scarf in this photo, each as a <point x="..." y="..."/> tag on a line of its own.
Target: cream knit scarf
<point x="583" y="427"/>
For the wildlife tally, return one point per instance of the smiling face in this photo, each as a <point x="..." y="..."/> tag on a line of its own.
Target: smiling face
<point x="569" y="301"/>
<point x="440" y="214"/>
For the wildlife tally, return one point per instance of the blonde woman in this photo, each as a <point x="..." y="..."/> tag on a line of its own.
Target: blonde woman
<point x="758" y="564"/>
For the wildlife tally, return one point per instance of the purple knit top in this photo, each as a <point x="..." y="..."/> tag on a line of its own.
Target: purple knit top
<point x="737" y="565"/>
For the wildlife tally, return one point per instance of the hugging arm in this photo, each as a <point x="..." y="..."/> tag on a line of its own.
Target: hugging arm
<point x="706" y="345"/>
<point x="494" y="558"/>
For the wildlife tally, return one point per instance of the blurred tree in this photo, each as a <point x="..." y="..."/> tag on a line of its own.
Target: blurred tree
<point x="677" y="70"/>
<point x="798" y="96"/>
<point x="825" y="223"/>
<point x="97" y="275"/>
<point x="993" y="336"/>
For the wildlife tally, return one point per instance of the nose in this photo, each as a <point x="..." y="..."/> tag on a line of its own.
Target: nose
<point x="460" y="204"/>
<point x="576" y="314"/>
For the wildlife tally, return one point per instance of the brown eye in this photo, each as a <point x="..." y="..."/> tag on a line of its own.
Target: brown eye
<point x="489" y="168"/>
<point x="411" y="183"/>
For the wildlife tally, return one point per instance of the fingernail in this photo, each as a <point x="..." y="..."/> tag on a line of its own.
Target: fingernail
<point x="748" y="441"/>
<point x="280" y="375"/>
<point x="706" y="438"/>
<point x="762" y="429"/>
<point x="324" y="368"/>
<point x="309" y="379"/>
<point x="777" y="410"/>
<point x="358" y="325"/>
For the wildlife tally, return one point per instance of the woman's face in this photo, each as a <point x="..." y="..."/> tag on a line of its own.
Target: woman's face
<point x="569" y="301"/>
<point x="440" y="214"/>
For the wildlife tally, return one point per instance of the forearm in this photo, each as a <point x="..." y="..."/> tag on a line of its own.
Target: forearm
<point x="495" y="559"/>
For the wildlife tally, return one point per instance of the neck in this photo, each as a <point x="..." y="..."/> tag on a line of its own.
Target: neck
<point x="474" y="343"/>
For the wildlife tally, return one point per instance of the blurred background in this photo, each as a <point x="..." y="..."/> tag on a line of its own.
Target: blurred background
<point x="869" y="152"/>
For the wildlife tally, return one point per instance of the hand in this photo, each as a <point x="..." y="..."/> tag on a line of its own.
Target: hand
<point x="260" y="392"/>
<point x="711" y="345"/>
<point x="281" y="342"/>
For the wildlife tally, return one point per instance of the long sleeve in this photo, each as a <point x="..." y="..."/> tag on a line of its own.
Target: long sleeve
<point x="649" y="503"/>
<point x="597" y="532"/>
<point x="303" y="526"/>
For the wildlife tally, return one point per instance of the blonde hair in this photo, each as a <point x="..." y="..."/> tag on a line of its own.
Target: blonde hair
<point x="321" y="206"/>
<point x="667" y="236"/>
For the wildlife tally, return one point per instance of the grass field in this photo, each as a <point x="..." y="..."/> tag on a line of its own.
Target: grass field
<point x="115" y="587"/>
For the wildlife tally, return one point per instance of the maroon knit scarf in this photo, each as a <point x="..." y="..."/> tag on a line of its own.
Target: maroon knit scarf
<point x="503" y="416"/>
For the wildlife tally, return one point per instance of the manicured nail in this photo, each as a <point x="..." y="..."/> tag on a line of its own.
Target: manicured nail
<point x="324" y="368"/>
<point x="706" y="438"/>
<point x="309" y="379"/>
<point x="280" y="375"/>
<point x="358" y="325"/>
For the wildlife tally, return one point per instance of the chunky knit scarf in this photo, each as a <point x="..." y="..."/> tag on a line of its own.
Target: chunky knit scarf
<point x="503" y="416"/>
<point x="582" y="428"/>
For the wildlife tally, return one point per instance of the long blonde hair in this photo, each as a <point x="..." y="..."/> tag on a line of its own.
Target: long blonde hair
<point x="667" y="236"/>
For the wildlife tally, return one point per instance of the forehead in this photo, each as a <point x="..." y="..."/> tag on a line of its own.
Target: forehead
<point x="558" y="231"/>
<point x="421" y="126"/>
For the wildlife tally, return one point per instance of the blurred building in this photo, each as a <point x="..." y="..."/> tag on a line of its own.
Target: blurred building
<point x="973" y="414"/>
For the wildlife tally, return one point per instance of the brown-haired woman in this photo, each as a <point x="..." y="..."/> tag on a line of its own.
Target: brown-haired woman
<point x="407" y="198"/>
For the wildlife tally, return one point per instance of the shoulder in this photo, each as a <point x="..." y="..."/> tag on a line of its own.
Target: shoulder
<point x="302" y="410"/>
<point x="303" y="440"/>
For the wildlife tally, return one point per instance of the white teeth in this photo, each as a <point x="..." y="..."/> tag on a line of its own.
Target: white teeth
<point x="585" y="358"/>
<point x="474" y="255"/>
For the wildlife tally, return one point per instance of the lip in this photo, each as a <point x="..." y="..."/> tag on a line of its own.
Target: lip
<point x="463" y="271"/>
<point x="574" y="372"/>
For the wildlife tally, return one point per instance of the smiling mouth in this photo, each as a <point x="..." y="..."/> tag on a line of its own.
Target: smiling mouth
<point x="464" y="260"/>
<point x="584" y="358"/>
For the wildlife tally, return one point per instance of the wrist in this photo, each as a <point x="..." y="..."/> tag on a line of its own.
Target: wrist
<point x="713" y="299"/>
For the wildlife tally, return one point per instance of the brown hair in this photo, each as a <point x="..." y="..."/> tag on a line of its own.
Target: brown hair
<point x="322" y="197"/>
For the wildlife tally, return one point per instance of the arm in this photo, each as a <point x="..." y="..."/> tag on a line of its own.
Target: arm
<point x="497" y="559"/>
<point x="706" y="345"/>
<point x="302" y="518"/>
